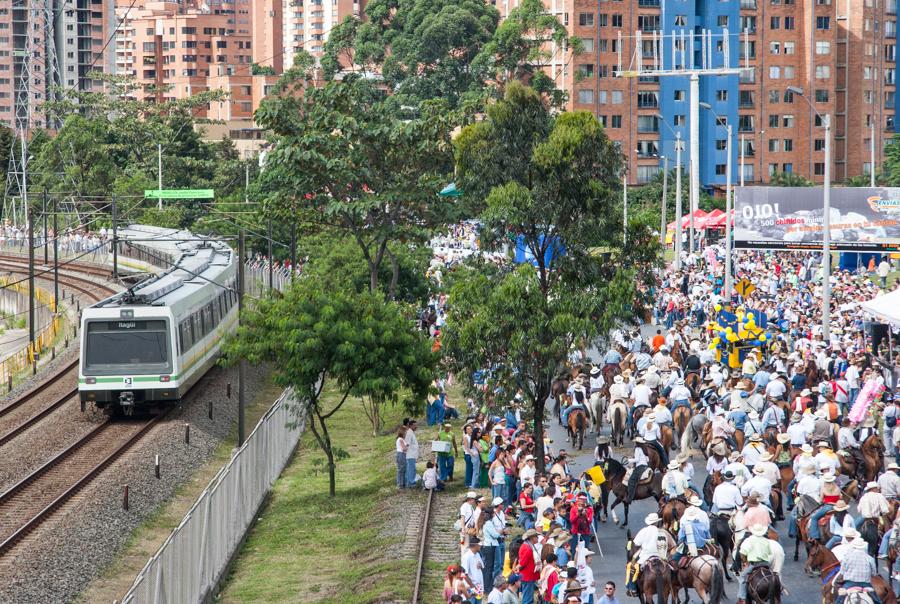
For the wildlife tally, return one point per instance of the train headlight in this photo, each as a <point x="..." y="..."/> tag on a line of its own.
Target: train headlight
<point x="90" y="380"/>
<point x="164" y="378"/>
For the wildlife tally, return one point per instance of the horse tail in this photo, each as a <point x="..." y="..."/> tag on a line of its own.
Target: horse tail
<point x="660" y="596"/>
<point x="686" y="437"/>
<point x="774" y="589"/>
<point x="618" y="427"/>
<point x="717" y="586"/>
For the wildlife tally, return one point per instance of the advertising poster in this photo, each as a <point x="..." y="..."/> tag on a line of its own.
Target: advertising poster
<point x="790" y="218"/>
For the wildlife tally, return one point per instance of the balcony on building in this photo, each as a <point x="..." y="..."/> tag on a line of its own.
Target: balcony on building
<point x="748" y="4"/>
<point x="891" y="7"/>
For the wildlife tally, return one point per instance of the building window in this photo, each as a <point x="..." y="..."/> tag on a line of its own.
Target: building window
<point x="823" y="23"/>
<point x="604" y="19"/>
<point x="587" y="44"/>
<point x="819" y="168"/>
<point x="603" y="71"/>
<point x="748" y="23"/>
<point x="774" y="145"/>
<point x="721" y="144"/>
<point x="773" y="168"/>
<point x="647" y="149"/>
<point x="720" y="169"/>
<point x="789" y="48"/>
<point x="821" y="96"/>
<point x="774" y="72"/>
<point x="586" y="19"/>
<point x="787" y="121"/>
<point x="679" y="120"/>
<point x="787" y="168"/>
<point x="789" y="22"/>
<point x="602" y="119"/>
<point x="788" y="144"/>
<point x="748" y="172"/>
<point x="646" y="173"/>
<point x="788" y="72"/>
<point x="646" y="123"/>
<point x="745" y="123"/>
<point x="721" y="95"/>
<point x="819" y="144"/>
<point x="678" y="95"/>
<point x="774" y="96"/>
<point x="722" y="21"/>
<point x="603" y="97"/>
<point x="616" y="97"/>
<point x="775" y="23"/>
<point x="867" y="73"/>
<point x="775" y="48"/>
<point x="617" y="121"/>
<point x="647" y="100"/>
<point x="617" y="20"/>
<point x="823" y="72"/>
<point x="773" y="121"/>
<point x="745" y="98"/>
<point x="681" y="20"/>
<point x="823" y="47"/>
<point x="586" y="70"/>
<point x="585" y="97"/>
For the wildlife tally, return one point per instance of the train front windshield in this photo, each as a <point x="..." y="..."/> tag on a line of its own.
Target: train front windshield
<point x="131" y="347"/>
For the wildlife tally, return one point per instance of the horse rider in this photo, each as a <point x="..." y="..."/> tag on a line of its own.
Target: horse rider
<point x="602" y="451"/>
<point x="579" y="401"/>
<point x="651" y="377"/>
<point x="756" y="550"/>
<point x="636" y="468"/>
<point x="773" y="417"/>
<point x="680" y="394"/>
<point x="662" y="360"/>
<point x="872" y="505"/>
<point x="868" y="429"/>
<point x="674" y="483"/>
<point x="651" y="435"/>
<point x="753" y="425"/>
<point x="698" y="504"/>
<point x="692" y="363"/>
<point x="839" y="522"/>
<point x="693" y="534"/>
<point x="612" y="358"/>
<point x="722" y="429"/>
<point x="797" y="433"/>
<point x="890" y="481"/>
<point x="663" y="417"/>
<point x="759" y="485"/>
<point x="716" y="462"/>
<point x="727" y="497"/>
<point x="651" y="543"/>
<point x="753" y="450"/>
<point x="619" y="390"/>
<point x="826" y="459"/>
<point x="857" y="569"/>
<point x="847" y="442"/>
<point x="596" y="380"/>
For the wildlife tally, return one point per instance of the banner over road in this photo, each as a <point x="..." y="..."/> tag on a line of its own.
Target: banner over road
<point x="790" y="218"/>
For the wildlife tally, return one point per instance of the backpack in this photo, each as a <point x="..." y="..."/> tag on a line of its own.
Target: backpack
<point x="890" y="420"/>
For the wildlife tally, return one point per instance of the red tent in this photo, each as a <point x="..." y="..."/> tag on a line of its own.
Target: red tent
<point x="711" y="218"/>
<point x="719" y="221"/>
<point x="699" y="217"/>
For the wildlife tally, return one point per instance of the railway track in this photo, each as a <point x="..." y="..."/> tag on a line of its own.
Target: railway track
<point x="423" y="547"/>
<point x="81" y="267"/>
<point x="34" y="499"/>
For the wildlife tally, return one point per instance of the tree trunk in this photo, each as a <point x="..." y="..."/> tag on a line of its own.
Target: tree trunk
<point x="543" y="391"/>
<point x="395" y="275"/>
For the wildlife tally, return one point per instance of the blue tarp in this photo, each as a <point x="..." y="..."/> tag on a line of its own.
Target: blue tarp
<point x="851" y="261"/>
<point x="523" y="253"/>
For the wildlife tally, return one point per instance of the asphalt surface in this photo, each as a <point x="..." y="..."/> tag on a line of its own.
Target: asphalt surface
<point x="611" y="566"/>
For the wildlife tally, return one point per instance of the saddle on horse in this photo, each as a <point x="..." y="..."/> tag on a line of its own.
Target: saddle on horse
<point x="640" y="475"/>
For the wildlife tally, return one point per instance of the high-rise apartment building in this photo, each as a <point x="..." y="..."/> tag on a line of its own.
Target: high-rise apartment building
<point x="841" y="53"/>
<point x="307" y="23"/>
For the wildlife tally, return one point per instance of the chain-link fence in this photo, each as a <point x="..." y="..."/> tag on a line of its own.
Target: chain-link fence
<point x="256" y="278"/>
<point x="194" y="557"/>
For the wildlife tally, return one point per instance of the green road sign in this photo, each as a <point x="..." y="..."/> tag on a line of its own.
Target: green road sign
<point x="178" y="193"/>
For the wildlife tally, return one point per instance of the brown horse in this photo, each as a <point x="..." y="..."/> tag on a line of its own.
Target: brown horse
<point x="872" y="451"/>
<point x="615" y="484"/>
<point x="812" y="374"/>
<point x="763" y="586"/>
<point x="653" y="455"/>
<point x="681" y="417"/>
<point x="739" y="439"/>
<point x="671" y="512"/>
<point x="577" y="425"/>
<point x="693" y="381"/>
<point x="703" y="574"/>
<point x="558" y="389"/>
<point x="822" y="560"/>
<point x="666" y="437"/>
<point x="655" y="578"/>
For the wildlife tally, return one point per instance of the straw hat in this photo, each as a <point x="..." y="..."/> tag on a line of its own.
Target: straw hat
<point x="783" y="437"/>
<point x="651" y="519"/>
<point x="859" y="543"/>
<point x="674" y="465"/>
<point x="841" y="505"/>
<point x="760" y="530"/>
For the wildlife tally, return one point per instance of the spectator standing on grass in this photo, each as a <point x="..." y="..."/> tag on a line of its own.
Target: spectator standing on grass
<point x="412" y="453"/>
<point x="401" y="457"/>
<point x="447" y="460"/>
<point x="884" y="269"/>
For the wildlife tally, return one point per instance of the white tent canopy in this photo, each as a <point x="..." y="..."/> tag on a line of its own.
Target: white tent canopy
<point x="886" y="308"/>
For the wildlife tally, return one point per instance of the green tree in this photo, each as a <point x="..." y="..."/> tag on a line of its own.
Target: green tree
<point x="423" y="48"/>
<point x="358" y="343"/>
<point x="788" y="179"/>
<point x="559" y="193"/>
<point x="342" y="159"/>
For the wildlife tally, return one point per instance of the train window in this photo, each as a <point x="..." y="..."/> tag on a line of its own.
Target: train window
<point x="133" y="347"/>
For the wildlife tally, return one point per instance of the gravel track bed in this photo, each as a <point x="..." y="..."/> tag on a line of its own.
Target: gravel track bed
<point x="59" y="560"/>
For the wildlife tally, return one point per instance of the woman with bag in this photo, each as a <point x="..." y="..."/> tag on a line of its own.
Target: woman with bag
<point x="401" y="448"/>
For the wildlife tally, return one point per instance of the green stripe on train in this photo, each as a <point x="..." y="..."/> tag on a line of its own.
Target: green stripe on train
<point x="121" y="380"/>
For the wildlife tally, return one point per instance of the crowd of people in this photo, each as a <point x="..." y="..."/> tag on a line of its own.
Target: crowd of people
<point x="803" y="428"/>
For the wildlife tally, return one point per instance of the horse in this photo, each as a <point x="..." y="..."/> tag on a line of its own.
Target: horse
<point x="653" y="455"/>
<point x="812" y="374"/>
<point x="694" y="433"/>
<point x="704" y="575"/>
<point x="666" y="437"/>
<point x="671" y="512"/>
<point x="870" y="532"/>
<point x="715" y="479"/>
<point x="822" y="560"/>
<point x="558" y="389"/>
<point x="693" y="380"/>
<point x="723" y="536"/>
<point x="655" y="578"/>
<point x="577" y="425"/>
<point x="616" y="485"/>
<point x="597" y="405"/>
<point x="681" y="417"/>
<point x="738" y="439"/>
<point x="763" y="586"/>
<point x="617" y="414"/>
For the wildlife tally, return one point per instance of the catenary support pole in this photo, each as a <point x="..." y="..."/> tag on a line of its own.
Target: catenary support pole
<point x="679" y="232"/>
<point x="31" y="325"/>
<point x="695" y="151"/>
<point x="115" y="239"/>
<point x="242" y="366"/>
<point x="662" y="205"/>
<point x="826" y="236"/>
<point x="728" y="251"/>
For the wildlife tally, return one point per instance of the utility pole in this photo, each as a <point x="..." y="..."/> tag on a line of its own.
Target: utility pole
<point x="269" y="252"/>
<point x="247" y="182"/>
<point x="159" y="168"/>
<point x="293" y="250"/>
<point x="872" y="154"/>
<point x="826" y="236"/>
<point x="242" y="366"/>
<point x="678" y="208"/>
<point x="31" y="280"/>
<point x="728" y="213"/>
<point x="625" y="209"/>
<point x="115" y="239"/>
<point x="46" y="244"/>
<point x="56" y="254"/>
<point x="662" y="218"/>
<point x="695" y="150"/>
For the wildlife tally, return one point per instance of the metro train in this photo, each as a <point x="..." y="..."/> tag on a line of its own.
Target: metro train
<point x="143" y="348"/>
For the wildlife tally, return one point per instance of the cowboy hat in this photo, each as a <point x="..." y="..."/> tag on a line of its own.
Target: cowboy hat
<point x="651" y="519"/>
<point x="869" y="422"/>
<point x="872" y="485"/>
<point x="719" y="449"/>
<point x="695" y="501"/>
<point x="822" y="413"/>
<point x="740" y="386"/>
<point x="595" y="371"/>
<point x="471" y="495"/>
<point x="850" y="534"/>
<point x="758" y="470"/>
<point x="859" y="543"/>
<point x="765" y="456"/>
<point x="805" y="392"/>
<point x="806" y="448"/>
<point x="829" y="478"/>
<point x="823" y="445"/>
<point x="618" y="379"/>
<point x="674" y="465"/>
<point x="639" y="439"/>
<point x="529" y="534"/>
<point x="841" y="505"/>
<point x="728" y="475"/>
<point x="734" y="456"/>
<point x="755" y="438"/>
<point x="893" y="466"/>
<point x="759" y="530"/>
<point x="602" y="440"/>
<point x="652" y="369"/>
<point x="783" y="437"/>
<point x="683" y="458"/>
<point x="752" y="414"/>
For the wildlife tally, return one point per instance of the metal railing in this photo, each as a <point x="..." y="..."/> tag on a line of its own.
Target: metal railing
<point x="191" y="562"/>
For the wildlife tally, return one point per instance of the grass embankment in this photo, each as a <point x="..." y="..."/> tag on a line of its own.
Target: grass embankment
<point x="308" y="547"/>
<point x="147" y="539"/>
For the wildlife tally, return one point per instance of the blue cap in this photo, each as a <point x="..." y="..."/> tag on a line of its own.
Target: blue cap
<point x="514" y="578"/>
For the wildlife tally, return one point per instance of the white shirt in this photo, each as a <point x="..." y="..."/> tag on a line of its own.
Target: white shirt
<point x="649" y="430"/>
<point x="775" y="389"/>
<point x="872" y="505"/>
<point x="430" y="478"/>
<point x="852" y="376"/>
<point x="647" y="540"/>
<point x="798" y="434"/>
<point x="840" y="549"/>
<point x="640" y="458"/>
<point x="846" y="439"/>
<point x="663" y="414"/>
<point x="810" y="485"/>
<point x="527" y="473"/>
<point x="413" y="443"/>
<point x="751" y="453"/>
<point x="712" y="465"/>
<point x="679" y="393"/>
<point x="890" y="484"/>
<point x="467" y="513"/>
<point x="772" y="473"/>
<point x="472" y="564"/>
<point x="740" y="472"/>
<point x="824" y="462"/>
<point x="757" y="484"/>
<point x="727" y="496"/>
<point x="703" y="517"/>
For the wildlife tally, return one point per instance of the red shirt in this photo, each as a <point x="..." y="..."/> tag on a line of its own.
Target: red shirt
<point x="552" y="580"/>
<point x="581" y="528"/>
<point x="526" y="563"/>
<point x="526" y="503"/>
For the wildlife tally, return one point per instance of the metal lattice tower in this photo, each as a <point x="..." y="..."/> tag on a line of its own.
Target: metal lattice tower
<point x="37" y="78"/>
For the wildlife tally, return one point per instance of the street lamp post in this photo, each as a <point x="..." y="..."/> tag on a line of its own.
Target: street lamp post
<point x="678" y="207"/>
<point x="872" y="154"/>
<point x="826" y="220"/>
<point x="665" y="193"/>
<point x="728" y="251"/>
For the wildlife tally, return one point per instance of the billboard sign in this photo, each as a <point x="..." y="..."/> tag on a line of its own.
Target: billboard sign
<point x="790" y="218"/>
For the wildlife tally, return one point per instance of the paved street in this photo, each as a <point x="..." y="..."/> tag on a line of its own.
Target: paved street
<point x="612" y="538"/>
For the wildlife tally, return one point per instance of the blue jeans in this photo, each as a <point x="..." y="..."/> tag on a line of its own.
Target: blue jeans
<point x="872" y="593"/>
<point x="834" y="541"/>
<point x="498" y="490"/>
<point x="445" y="466"/>
<point x="410" y="473"/>
<point x="854" y="392"/>
<point x="499" y="559"/>
<point x="468" y="469"/>
<point x="526" y="520"/>
<point x="586" y="539"/>
<point x="790" y="493"/>
<point x="814" y="532"/>
<point x="401" y="470"/>
<point x="476" y="471"/>
<point x="528" y="592"/>
<point x="510" y="495"/>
